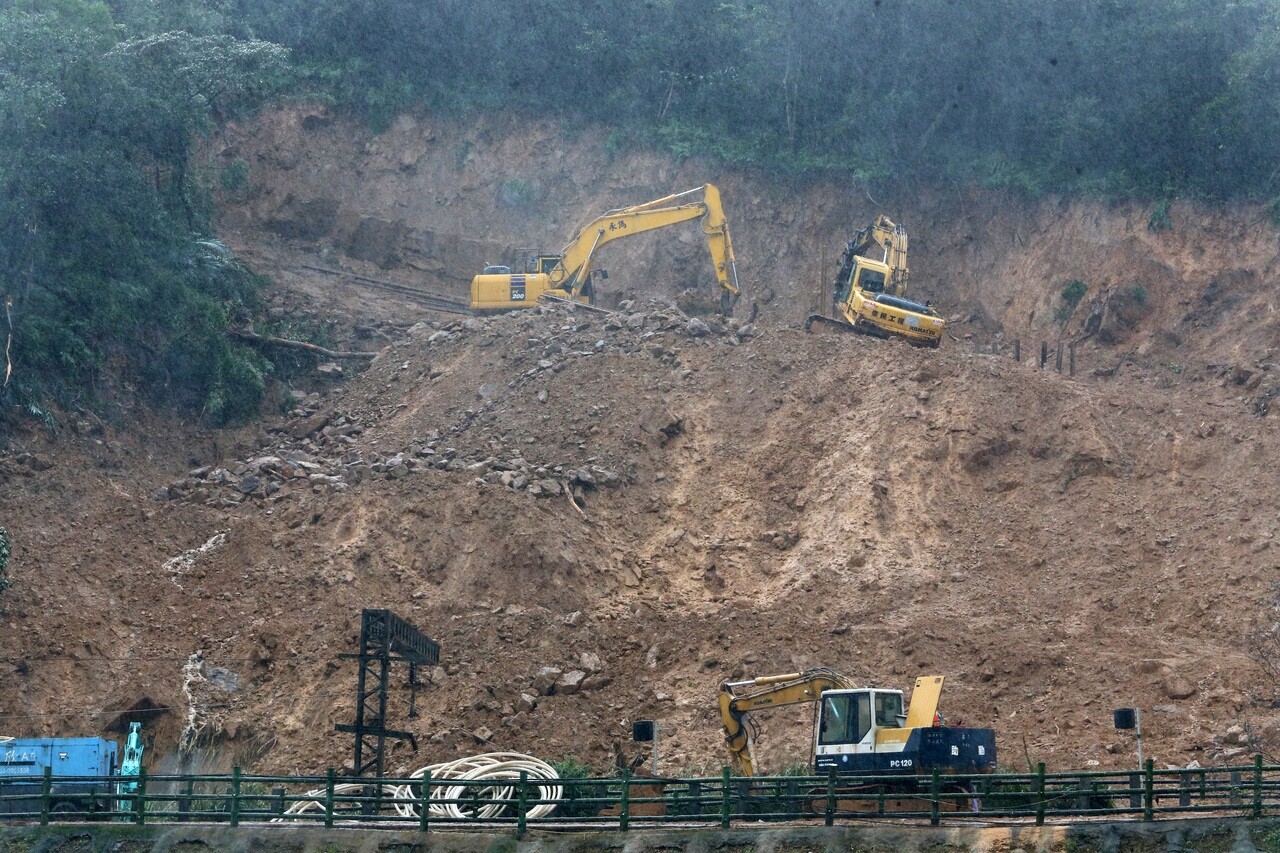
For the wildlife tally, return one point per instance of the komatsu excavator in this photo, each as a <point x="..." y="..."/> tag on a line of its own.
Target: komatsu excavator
<point x="568" y="275"/>
<point x="870" y="294"/>
<point x="859" y="730"/>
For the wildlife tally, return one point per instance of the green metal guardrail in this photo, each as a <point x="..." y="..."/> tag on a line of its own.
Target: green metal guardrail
<point x="628" y="802"/>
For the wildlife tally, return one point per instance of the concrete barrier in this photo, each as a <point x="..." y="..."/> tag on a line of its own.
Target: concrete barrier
<point x="1182" y="836"/>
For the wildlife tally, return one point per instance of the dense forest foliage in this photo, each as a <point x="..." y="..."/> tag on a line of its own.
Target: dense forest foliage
<point x="1147" y="97"/>
<point x="106" y="257"/>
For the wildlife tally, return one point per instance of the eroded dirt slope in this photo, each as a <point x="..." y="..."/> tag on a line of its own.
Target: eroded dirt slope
<point x="650" y="506"/>
<point x="1056" y="547"/>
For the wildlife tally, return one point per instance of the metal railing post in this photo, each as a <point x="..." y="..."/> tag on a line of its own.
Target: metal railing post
<point x="424" y="803"/>
<point x="46" y="795"/>
<point x="829" y="816"/>
<point x="184" y="799"/>
<point x="624" y="805"/>
<point x="725" y="784"/>
<point x="935" y="788"/>
<point x="1257" y="786"/>
<point x="140" y="798"/>
<point x="330" y="779"/>
<point x="235" y="797"/>
<point x="522" y="803"/>
<point x="1040" y="794"/>
<point x="1148" y="790"/>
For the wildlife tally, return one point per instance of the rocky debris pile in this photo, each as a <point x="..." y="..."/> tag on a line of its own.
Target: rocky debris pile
<point x="629" y="329"/>
<point x="320" y="448"/>
<point x="515" y="700"/>
<point x="287" y="471"/>
<point x="23" y="464"/>
<point x="1255" y="384"/>
<point x="316" y="452"/>
<point x="661" y="316"/>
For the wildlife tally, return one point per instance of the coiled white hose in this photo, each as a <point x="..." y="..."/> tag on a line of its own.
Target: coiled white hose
<point x="317" y="805"/>
<point x="497" y="766"/>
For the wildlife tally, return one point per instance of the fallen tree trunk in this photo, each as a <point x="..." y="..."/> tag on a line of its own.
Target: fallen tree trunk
<point x="254" y="338"/>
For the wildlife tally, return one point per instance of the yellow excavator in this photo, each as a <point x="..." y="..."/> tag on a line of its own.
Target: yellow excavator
<point x="860" y="731"/>
<point x="568" y="275"/>
<point x="870" y="294"/>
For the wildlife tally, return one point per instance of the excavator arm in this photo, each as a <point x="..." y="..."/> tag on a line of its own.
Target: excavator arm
<point x="130" y="767"/>
<point x="568" y="274"/>
<point x="883" y="241"/>
<point x="775" y="691"/>
<point x="574" y="269"/>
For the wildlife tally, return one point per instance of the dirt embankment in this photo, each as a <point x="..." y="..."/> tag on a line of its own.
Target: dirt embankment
<point x="600" y="517"/>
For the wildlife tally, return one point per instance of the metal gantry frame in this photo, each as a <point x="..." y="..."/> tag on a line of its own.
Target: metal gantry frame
<point x="385" y="639"/>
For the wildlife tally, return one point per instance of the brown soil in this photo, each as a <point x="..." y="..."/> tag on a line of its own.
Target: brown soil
<point x="1056" y="546"/>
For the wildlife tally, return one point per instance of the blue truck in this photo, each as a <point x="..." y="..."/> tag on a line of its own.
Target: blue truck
<point x="86" y="773"/>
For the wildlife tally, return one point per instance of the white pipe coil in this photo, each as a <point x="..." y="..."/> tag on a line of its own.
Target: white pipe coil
<point x="501" y="767"/>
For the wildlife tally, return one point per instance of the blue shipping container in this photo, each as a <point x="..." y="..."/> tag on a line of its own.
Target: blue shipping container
<point x="22" y="764"/>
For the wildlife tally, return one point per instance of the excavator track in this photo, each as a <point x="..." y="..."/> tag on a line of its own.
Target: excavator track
<point x="862" y="329"/>
<point x="842" y="326"/>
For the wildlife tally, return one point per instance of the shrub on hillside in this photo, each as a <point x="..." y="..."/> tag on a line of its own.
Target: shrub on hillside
<point x="1071" y="295"/>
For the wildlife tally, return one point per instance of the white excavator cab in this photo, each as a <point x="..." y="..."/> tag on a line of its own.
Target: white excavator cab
<point x="849" y="723"/>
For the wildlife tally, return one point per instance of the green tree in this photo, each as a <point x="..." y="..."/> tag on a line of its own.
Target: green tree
<point x="101" y="221"/>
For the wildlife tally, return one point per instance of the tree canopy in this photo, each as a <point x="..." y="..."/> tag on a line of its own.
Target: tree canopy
<point x="104" y="233"/>
<point x="1137" y="97"/>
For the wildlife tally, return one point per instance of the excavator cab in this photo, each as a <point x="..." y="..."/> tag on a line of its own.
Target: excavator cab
<point x="861" y="274"/>
<point x="871" y="281"/>
<point x="849" y="724"/>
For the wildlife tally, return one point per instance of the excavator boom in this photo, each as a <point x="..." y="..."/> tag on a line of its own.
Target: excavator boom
<point x="774" y="691"/>
<point x="568" y="275"/>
